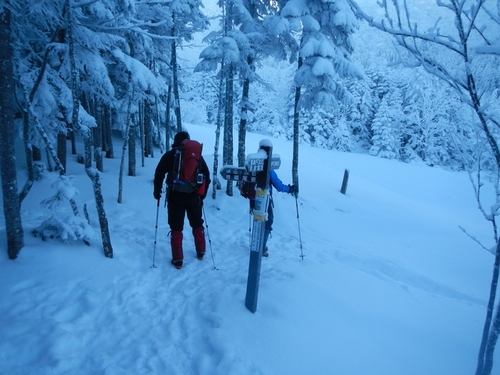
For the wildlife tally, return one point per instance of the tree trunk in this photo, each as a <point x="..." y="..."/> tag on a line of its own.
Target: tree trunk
<point x="148" y="130"/>
<point x="228" y="125"/>
<point x="11" y="201"/>
<point x="296" y="128"/>
<point x="242" y="131"/>
<point x="158" y="127"/>
<point x="141" y="131"/>
<point x="124" y="147"/>
<point x="73" y="139"/>
<point x="480" y="370"/>
<point x="93" y="174"/>
<point x="177" y="100"/>
<point x="108" y="133"/>
<point x="97" y="135"/>
<point x="30" y="153"/>
<point x="492" y="341"/>
<point x="132" y="135"/>
<point x="216" y="182"/>
<point x="61" y="149"/>
<point x="167" y="118"/>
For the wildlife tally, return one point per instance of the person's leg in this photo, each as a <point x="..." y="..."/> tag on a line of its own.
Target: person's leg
<point x="175" y="208"/>
<point x="268" y="228"/>
<point x="176" y="244"/>
<point x="199" y="241"/>
<point x="194" y="210"/>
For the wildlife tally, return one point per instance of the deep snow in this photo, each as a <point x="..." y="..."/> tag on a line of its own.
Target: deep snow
<point x="389" y="283"/>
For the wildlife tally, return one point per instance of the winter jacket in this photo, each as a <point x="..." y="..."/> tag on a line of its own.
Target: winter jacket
<point x="277" y="183"/>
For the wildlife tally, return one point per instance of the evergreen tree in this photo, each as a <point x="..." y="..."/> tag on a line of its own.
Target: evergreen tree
<point x="385" y="142"/>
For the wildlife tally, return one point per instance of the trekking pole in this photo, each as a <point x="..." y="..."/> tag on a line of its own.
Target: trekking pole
<point x="250" y="228"/>
<point x="208" y="236"/>
<point x="156" y="232"/>
<point x="298" y="223"/>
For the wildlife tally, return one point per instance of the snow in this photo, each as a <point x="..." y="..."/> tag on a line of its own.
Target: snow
<point x="323" y="66"/>
<point x="265" y="143"/>
<point x="389" y="283"/>
<point x="140" y="74"/>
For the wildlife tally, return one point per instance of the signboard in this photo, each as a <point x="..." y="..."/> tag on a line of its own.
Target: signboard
<point x="232" y="173"/>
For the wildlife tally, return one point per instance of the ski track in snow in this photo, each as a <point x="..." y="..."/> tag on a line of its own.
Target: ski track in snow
<point x="388" y="270"/>
<point x="400" y="276"/>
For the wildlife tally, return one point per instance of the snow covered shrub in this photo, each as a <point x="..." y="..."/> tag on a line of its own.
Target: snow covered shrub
<point x="63" y="223"/>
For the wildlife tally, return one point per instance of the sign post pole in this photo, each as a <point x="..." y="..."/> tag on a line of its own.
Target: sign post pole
<point x="256" y="170"/>
<point x="259" y="225"/>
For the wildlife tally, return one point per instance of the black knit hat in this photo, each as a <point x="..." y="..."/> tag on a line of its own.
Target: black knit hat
<point x="179" y="137"/>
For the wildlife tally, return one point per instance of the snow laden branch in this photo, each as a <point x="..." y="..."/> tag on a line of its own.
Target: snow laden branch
<point x="412" y="32"/>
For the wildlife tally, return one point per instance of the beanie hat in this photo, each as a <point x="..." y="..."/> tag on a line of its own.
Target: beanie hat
<point x="179" y="137"/>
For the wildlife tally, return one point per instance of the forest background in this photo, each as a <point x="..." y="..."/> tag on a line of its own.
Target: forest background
<point x="414" y="82"/>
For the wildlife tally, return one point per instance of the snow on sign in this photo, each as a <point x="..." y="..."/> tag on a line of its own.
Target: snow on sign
<point x="255" y="162"/>
<point x="248" y="173"/>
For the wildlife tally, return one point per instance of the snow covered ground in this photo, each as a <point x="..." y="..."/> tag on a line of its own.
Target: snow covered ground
<point x="389" y="284"/>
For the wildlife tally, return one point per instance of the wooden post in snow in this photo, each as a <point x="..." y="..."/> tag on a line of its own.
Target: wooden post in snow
<point x="343" y="189"/>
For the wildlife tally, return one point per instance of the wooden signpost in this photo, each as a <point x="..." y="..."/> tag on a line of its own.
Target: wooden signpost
<point x="257" y="170"/>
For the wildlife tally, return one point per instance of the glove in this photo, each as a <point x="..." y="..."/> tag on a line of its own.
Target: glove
<point x="293" y="189"/>
<point x="157" y="195"/>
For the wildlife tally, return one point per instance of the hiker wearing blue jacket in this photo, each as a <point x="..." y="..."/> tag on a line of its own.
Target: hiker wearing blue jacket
<point x="275" y="182"/>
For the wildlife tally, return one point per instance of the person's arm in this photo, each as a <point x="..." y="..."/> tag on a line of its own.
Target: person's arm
<point x="206" y="172"/>
<point x="163" y="167"/>
<point x="206" y="175"/>
<point x="277" y="183"/>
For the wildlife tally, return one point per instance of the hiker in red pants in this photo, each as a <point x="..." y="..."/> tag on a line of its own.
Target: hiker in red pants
<point x="188" y="179"/>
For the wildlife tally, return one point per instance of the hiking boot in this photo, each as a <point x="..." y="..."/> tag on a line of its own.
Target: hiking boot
<point x="177" y="264"/>
<point x="200" y="255"/>
<point x="265" y="253"/>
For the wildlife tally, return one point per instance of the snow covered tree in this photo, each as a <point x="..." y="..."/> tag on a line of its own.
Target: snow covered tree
<point x="84" y="130"/>
<point x="39" y="91"/>
<point x="341" y="136"/>
<point x="385" y="140"/>
<point x="461" y="48"/>
<point x="325" y="29"/>
<point x="11" y="201"/>
<point x="223" y="50"/>
<point x="324" y="129"/>
<point x="252" y="40"/>
<point x="63" y="224"/>
<point x="359" y="114"/>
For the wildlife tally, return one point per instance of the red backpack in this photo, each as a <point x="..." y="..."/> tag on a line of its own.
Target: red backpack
<point x="247" y="190"/>
<point x="187" y="176"/>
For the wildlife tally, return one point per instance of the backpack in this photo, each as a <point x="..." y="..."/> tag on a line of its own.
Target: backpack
<point x="247" y="190"/>
<point x="186" y="175"/>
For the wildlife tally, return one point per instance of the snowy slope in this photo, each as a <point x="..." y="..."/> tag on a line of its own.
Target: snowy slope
<point x="389" y="284"/>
